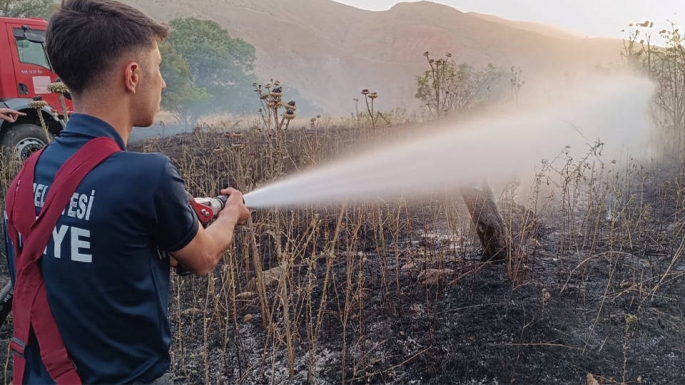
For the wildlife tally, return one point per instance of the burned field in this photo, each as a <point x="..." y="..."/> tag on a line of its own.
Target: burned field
<point x="397" y="293"/>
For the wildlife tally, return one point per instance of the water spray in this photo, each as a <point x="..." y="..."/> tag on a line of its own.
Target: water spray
<point x="613" y="110"/>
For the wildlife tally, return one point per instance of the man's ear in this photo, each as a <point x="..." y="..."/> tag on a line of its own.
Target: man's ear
<point x="132" y="78"/>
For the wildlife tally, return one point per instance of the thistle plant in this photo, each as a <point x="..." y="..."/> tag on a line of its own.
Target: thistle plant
<point x="313" y="122"/>
<point x="271" y="98"/>
<point x="439" y="71"/>
<point x="357" y="116"/>
<point x="516" y="83"/>
<point x="61" y="89"/>
<point x="369" y="106"/>
<point x="38" y="104"/>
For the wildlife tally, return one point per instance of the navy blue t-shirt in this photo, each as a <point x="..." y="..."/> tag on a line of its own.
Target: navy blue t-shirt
<point x="106" y="268"/>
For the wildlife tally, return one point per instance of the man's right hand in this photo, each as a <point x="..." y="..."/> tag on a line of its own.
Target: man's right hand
<point x="235" y="206"/>
<point x="10" y="115"/>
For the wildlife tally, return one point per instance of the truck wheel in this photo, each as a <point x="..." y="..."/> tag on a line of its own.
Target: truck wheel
<point x="22" y="140"/>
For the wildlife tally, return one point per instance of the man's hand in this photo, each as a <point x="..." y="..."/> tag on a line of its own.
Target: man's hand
<point x="235" y="207"/>
<point x="10" y="115"/>
<point x="205" y="250"/>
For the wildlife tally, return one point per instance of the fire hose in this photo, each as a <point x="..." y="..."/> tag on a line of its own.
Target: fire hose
<point x="206" y="209"/>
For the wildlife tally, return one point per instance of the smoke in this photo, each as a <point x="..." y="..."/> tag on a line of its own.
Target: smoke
<point x="610" y="109"/>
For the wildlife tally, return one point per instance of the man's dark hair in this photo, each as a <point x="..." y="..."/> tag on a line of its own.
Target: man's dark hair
<point x="86" y="37"/>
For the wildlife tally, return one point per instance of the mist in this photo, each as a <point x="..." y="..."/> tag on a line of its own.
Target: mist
<point x="494" y="148"/>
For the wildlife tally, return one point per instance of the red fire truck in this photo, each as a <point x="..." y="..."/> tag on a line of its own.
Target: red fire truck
<point x="25" y="74"/>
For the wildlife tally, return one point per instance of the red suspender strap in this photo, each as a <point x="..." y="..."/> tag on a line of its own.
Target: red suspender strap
<point x="20" y="318"/>
<point x="30" y="308"/>
<point x="30" y="163"/>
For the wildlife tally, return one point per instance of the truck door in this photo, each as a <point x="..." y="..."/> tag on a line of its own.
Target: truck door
<point x="32" y="67"/>
<point x="7" y="74"/>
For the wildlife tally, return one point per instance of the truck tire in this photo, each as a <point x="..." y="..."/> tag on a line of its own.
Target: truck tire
<point x="22" y="140"/>
<point x="6" y="296"/>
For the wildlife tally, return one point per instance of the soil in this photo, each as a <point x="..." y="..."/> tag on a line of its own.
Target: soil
<point x="586" y="312"/>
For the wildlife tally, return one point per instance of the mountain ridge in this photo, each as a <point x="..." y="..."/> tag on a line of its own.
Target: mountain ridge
<point x="331" y="51"/>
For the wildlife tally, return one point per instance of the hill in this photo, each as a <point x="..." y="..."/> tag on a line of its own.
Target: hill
<point x="330" y="51"/>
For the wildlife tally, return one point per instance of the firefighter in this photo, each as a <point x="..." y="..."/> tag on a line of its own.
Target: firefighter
<point x="106" y="262"/>
<point x="10" y="115"/>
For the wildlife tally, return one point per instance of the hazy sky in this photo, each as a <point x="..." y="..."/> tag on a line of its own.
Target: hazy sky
<point x="603" y="18"/>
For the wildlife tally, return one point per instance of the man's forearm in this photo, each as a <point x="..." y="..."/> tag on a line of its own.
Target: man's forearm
<point x="203" y="253"/>
<point x="221" y="232"/>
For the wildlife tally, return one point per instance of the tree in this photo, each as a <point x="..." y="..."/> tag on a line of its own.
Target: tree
<point x="488" y="222"/>
<point x="447" y="88"/>
<point x="218" y="63"/>
<point x="27" y="8"/>
<point x="665" y="65"/>
<point x="181" y="96"/>
<point x="516" y="82"/>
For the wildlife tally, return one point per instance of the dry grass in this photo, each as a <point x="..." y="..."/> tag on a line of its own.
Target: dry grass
<point x="283" y="263"/>
<point x="307" y="272"/>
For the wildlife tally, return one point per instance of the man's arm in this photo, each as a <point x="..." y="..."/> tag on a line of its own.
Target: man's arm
<point x="203" y="253"/>
<point x="176" y="227"/>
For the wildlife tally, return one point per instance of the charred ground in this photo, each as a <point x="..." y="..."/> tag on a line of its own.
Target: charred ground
<point x="598" y="287"/>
